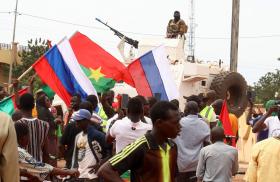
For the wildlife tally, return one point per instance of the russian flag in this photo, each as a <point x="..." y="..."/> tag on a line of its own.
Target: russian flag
<point x="151" y="74"/>
<point x="60" y="70"/>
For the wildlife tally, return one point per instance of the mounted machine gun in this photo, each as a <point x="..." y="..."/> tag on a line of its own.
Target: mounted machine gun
<point x="128" y="40"/>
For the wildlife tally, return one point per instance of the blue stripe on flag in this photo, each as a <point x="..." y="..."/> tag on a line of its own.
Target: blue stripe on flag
<point x="152" y="74"/>
<point x="62" y="71"/>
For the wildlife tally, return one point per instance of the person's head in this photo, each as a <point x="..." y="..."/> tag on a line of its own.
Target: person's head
<point x="197" y="99"/>
<point x="22" y="132"/>
<point x="269" y="104"/>
<point x="93" y="100"/>
<point x="135" y="109"/>
<point x="17" y="115"/>
<point x="191" y="108"/>
<point x="202" y="103"/>
<point x="109" y="97"/>
<point x="111" y="93"/>
<point x="175" y="102"/>
<point x="166" y="119"/>
<point x="75" y="102"/>
<point x="82" y="118"/>
<point x="152" y="101"/>
<point x="217" y="105"/>
<point x="44" y="101"/>
<point x="217" y="134"/>
<point x="210" y="97"/>
<point x="26" y="102"/>
<point x="177" y="15"/>
<point x="40" y="93"/>
<point x="86" y="105"/>
<point x="145" y="104"/>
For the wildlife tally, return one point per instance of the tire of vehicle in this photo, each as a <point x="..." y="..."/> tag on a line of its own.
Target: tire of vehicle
<point x="232" y="87"/>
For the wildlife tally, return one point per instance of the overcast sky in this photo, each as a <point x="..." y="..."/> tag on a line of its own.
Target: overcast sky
<point x="259" y="26"/>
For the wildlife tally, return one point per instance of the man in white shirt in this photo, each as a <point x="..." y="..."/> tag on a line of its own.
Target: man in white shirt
<point x="130" y="128"/>
<point x="269" y="121"/>
<point x="146" y="112"/>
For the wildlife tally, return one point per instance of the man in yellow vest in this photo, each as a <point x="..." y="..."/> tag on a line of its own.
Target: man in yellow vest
<point x="208" y="112"/>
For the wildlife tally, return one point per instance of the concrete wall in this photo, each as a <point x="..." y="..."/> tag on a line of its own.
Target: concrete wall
<point x="5" y="58"/>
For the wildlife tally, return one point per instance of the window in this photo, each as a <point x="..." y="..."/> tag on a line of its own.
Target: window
<point x="203" y="83"/>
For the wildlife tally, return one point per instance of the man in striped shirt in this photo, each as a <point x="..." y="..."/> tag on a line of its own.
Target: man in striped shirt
<point x="39" y="129"/>
<point x="153" y="157"/>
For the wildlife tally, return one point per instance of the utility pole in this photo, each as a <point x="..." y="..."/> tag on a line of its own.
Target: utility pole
<point x="14" y="48"/>
<point x="234" y="35"/>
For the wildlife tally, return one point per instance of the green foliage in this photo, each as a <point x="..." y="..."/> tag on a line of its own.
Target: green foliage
<point x="35" y="50"/>
<point x="5" y="68"/>
<point x="267" y="86"/>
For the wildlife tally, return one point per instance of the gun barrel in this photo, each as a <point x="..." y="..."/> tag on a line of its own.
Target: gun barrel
<point x="130" y="41"/>
<point x="100" y="21"/>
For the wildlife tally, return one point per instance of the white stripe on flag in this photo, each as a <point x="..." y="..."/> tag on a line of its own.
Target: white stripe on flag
<point x="70" y="59"/>
<point x="167" y="77"/>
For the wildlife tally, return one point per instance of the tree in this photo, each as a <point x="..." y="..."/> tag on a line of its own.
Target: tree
<point x="267" y="86"/>
<point x="35" y="50"/>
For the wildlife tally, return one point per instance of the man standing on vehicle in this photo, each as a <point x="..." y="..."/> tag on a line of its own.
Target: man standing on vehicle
<point x="176" y="27"/>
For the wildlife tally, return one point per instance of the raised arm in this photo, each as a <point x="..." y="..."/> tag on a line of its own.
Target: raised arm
<point x="31" y="84"/>
<point x="260" y="125"/>
<point x="16" y="88"/>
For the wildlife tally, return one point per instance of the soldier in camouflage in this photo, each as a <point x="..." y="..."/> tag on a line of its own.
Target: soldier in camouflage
<point x="176" y="27"/>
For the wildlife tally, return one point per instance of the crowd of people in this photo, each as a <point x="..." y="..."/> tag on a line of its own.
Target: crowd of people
<point x="100" y="138"/>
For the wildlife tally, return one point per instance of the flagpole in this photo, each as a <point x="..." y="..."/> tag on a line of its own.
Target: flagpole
<point x="25" y="73"/>
<point x="30" y="68"/>
<point x="22" y="75"/>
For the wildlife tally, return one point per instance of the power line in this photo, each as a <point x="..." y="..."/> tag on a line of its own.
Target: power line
<point x="82" y="25"/>
<point x="5" y="12"/>
<point x="61" y="21"/>
<point x="146" y="34"/>
<point x="137" y="33"/>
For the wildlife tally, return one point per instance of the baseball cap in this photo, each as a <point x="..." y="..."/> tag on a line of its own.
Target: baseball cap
<point x="269" y="104"/>
<point x="81" y="114"/>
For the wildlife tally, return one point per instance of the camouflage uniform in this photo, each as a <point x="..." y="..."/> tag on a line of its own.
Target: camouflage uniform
<point x="175" y="29"/>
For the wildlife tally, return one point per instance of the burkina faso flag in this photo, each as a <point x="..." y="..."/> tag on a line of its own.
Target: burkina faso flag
<point x="103" y="69"/>
<point x="8" y="105"/>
